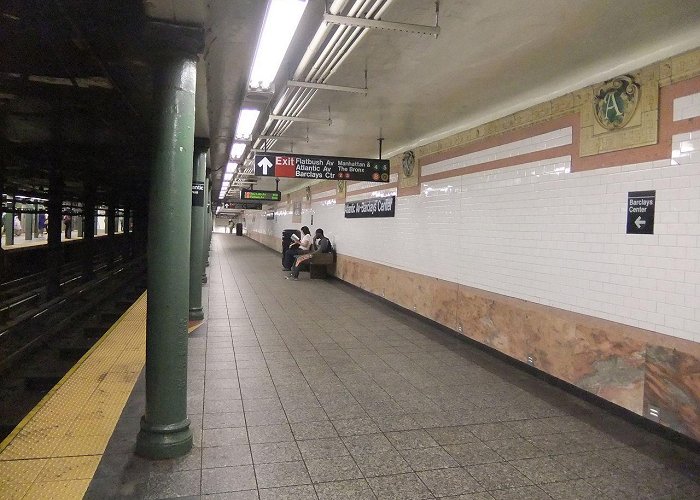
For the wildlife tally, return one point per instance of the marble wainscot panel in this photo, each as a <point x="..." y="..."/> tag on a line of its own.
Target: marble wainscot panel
<point x="672" y="386"/>
<point x="627" y="366"/>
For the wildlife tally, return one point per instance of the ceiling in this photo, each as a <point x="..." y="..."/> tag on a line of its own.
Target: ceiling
<point x="492" y="57"/>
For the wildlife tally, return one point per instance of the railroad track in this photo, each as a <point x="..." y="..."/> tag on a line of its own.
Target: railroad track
<point x="39" y="345"/>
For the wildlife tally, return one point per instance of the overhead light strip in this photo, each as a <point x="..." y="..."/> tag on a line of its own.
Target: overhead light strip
<point x="281" y="21"/>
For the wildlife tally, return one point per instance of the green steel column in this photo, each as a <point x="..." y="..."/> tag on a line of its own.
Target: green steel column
<point x="205" y="239"/>
<point x="197" y="235"/>
<point x="28" y="224"/>
<point x="165" y="428"/>
<point x="88" y="233"/>
<point x="9" y="223"/>
<point x="111" y="223"/>
<point x="54" y="255"/>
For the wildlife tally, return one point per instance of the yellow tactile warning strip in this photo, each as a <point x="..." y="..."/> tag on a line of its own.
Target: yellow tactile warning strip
<point x="193" y="325"/>
<point x="54" y="451"/>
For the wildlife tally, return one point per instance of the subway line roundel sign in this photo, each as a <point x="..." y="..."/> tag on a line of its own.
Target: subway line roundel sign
<point x="321" y="167"/>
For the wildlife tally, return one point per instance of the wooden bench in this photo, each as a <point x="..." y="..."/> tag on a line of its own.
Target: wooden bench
<point x="318" y="265"/>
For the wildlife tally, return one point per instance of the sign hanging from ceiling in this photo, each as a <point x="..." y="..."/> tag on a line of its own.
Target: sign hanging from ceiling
<point x="258" y="195"/>
<point x="321" y="167"/>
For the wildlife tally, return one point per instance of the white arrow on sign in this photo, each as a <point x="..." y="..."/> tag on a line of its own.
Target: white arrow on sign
<point x="639" y="222"/>
<point x="264" y="164"/>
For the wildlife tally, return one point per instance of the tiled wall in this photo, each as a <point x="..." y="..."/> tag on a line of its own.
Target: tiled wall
<point x="516" y="248"/>
<point x="538" y="232"/>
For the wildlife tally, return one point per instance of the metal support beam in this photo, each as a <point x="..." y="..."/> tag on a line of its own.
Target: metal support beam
<point x="300" y="119"/>
<point x="382" y="25"/>
<point x="282" y="138"/>
<point x="325" y="86"/>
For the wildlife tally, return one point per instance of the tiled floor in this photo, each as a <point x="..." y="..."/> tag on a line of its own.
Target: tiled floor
<point x="312" y="389"/>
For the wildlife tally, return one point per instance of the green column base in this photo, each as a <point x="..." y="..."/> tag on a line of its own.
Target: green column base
<point x="158" y="442"/>
<point x="196" y="314"/>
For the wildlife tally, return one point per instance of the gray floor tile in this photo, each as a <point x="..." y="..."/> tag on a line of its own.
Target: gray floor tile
<point x="447" y="482"/>
<point x="265" y="453"/>
<point x="356" y="489"/>
<point x="228" y="479"/>
<point x="472" y="453"/>
<point x="333" y="469"/>
<point x="289" y="493"/>
<point x="367" y="443"/>
<point x="452" y="435"/>
<point x="543" y="470"/>
<point x="221" y="420"/>
<point x="525" y="493"/>
<point x="313" y="430"/>
<point x="381" y="464"/>
<point x="233" y="495"/>
<point x="270" y="433"/>
<point x="428" y="458"/>
<point x="400" y="487"/>
<point x="224" y="456"/>
<point x="173" y="484"/>
<point x="406" y="440"/>
<point x="322" y="448"/>
<point x="281" y="474"/>
<point x="355" y="426"/>
<point x="224" y="436"/>
<point x="498" y="476"/>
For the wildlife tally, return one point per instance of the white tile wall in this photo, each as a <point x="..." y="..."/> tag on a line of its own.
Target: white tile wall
<point x="366" y="184"/>
<point x="553" y="139"/>
<point x="538" y="232"/>
<point x="686" y="107"/>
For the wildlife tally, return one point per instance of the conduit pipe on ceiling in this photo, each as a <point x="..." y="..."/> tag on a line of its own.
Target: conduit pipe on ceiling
<point x="343" y="40"/>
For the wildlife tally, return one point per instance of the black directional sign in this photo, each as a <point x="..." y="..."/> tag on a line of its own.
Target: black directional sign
<point x="257" y="194"/>
<point x="321" y="167"/>
<point x="640" y="212"/>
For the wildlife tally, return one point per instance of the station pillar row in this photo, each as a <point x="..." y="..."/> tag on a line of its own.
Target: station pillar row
<point x="198" y="233"/>
<point x="165" y="429"/>
<point x="205" y="224"/>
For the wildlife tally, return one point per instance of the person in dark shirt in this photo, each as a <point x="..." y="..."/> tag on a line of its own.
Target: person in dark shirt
<point x="321" y="244"/>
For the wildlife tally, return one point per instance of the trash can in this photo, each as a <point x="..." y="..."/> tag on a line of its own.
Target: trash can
<point x="287" y="239"/>
<point x="239" y="229"/>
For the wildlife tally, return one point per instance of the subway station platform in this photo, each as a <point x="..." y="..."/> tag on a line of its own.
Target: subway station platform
<point x="314" y="389"/>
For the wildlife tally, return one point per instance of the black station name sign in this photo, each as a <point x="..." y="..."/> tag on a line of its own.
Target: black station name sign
<point x="373" y="207"/>
<point x="641" y="206"/>
<point x="321" y="167"/>
<point x="197" y="194"/>
<point x="258" y="195"/>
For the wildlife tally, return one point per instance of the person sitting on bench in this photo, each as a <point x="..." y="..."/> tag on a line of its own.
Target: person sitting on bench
<point x="296" y="248"/>
<point x="321" y="245"/>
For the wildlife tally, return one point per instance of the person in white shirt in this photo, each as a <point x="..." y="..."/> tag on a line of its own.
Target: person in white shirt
<point x="295" y="249"/>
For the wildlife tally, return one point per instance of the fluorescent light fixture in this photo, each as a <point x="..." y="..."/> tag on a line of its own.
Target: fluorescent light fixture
<point x="237" y="149"/>
<point x="228" y="177"/>
<point x="281" y="21"/>
<point x="246" y="123"/>
<point x="231" y="168"/>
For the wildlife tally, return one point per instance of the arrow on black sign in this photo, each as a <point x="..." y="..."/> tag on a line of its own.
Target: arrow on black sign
<point x="639" y="222"/>
<point x="264" y="164"/>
